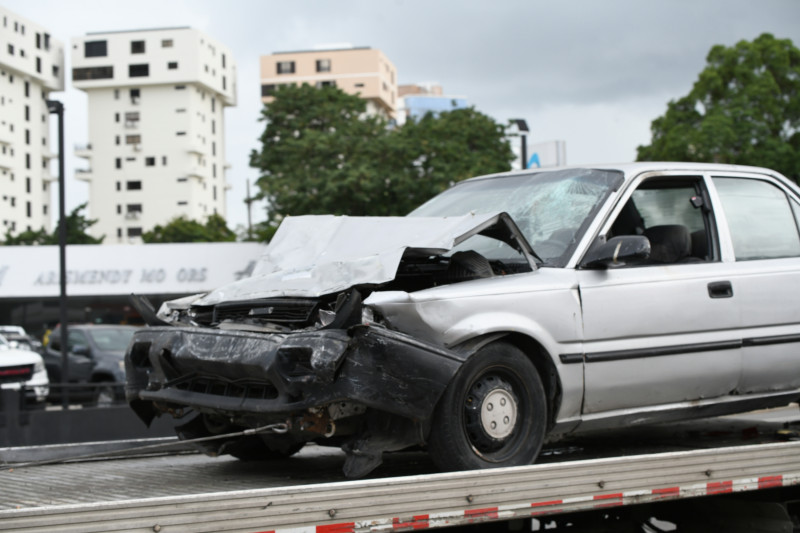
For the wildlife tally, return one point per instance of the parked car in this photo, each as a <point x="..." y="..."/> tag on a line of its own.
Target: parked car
<point x="508" y="309"/>
<point x="95" y="356"/>
<point x="23" y="369"/>
<point x="18" y="338"/>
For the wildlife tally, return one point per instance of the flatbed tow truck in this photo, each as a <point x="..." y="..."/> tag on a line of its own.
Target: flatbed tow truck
<point x="670" y="477"/>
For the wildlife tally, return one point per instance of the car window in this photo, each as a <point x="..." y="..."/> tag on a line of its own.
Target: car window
<point x="761" y="220"/>
<point x="75" y="338"/>
<point x="670" y="213"/>
<point x="111" y="339"/>
<point x="551" y="208"/>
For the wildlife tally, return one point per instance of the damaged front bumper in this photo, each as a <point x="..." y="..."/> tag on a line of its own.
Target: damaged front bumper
<point x="270" y="377"/>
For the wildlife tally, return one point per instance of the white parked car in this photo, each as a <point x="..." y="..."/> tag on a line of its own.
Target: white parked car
<point x="23" y="369"/>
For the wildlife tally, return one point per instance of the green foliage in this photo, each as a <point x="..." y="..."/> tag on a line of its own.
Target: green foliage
<point x="76" y="223"/>
<point x="181" y="229"/>
<point x="744" y="108"/>
<point x="321" y="153"/>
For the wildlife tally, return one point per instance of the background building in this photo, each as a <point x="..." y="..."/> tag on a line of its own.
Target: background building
<point x="417" y="100"/>
<point x="31" y="67"/>
<point x="156" y="127"/>
<point x="363" y="71"/>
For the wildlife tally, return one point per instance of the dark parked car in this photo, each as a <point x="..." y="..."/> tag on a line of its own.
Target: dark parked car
<point x="96" y="356"/>
<point x="508" y="309"/>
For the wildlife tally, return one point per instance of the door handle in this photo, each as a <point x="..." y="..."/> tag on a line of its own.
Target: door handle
<point x="720" y="289"/>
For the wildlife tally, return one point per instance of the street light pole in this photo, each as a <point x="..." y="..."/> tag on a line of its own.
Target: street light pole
<point x="522" y="126"/>
<point x="57" y="108"/>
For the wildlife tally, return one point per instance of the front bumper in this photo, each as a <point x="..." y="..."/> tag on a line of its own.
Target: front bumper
<point x="269" y="376"/>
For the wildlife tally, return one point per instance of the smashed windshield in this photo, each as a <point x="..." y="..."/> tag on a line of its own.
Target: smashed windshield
<point x="552" y="209"/>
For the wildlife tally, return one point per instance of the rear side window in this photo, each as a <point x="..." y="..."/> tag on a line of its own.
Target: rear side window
<point x="760" y="219"/>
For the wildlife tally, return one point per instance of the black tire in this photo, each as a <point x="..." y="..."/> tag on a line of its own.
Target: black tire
<point x="497" y="385"/>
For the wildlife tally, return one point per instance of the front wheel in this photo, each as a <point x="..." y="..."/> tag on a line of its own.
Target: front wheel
<point x="492" y="414"/>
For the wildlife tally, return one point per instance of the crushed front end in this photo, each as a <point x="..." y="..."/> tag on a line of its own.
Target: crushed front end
<point x="294" y="355"/>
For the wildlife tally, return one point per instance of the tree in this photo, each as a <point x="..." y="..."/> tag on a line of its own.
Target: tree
<point x="76" y="223"/>
<point x="744" y="108"/>
<point x="182" y="229"/>
<point x="322" y="153"/>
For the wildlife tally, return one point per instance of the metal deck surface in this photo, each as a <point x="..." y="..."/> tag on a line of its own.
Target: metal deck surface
<point x="187" y="474"/>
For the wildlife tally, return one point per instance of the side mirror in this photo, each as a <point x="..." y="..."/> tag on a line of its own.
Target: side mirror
<point x="618" y="251"/>
<point x="81" y="349"/>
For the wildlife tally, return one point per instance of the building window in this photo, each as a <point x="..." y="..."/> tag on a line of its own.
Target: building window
<point x="119" y="232"/>
<point x="133" y="185"/>
<point x="213" y="126"/>
<point x="119" y="209"/>
<point x="150" y="161"/>
<point x="133" y="139"/>
<point x="55" y="71"/>
<point x="131" y="118"/>
<point x="116" y="117"/>
<point x="137" y="47"/>
<point x="134" y="208"/>
<point x="27" y="137"/>
<point x="183" y="203"/>
<point x="224" y="83"/>
<point x="116" y="94"/>
<point x="135" y="94"/>
<point x="28" y="185"/>
<point x="180" y="87"/>
<point x="323" y="65"/>
<point x="213" y="104"/>
<point x="180" y="133"/>
<point x="223" y="60"/>
<point x="28" y="161"/>
<point x="139" y="71"/>
<point x="39" y="41"/>
<point x="134" y="232"/>
<point x="119" y="186"/>
<point x="118" y="162"/>
<point x="116" y="140"/>
<point x="11" y="49"/>
<point x="164" y="160"/>
<point x="92" y="73"/>
<point x="330" y="83"/>
<point x="172" y="65"/>
<point x="28" y="209"/>
<point x="27" y="113"/>
<point x="285" y="67"/>
<point x="268" y="89"/>
<point x="166" y="43"/>
<point x="39" y="65"/>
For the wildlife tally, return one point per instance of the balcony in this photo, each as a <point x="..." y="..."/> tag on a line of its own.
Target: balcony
<point x="195" y="147"/>
<point x="198" y="172"/>
<point x="83" y="150"/>
<point x="83" y="174"/>
<point x="6" y="161"/>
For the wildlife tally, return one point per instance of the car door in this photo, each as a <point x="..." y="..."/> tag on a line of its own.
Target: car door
<point x="762" y="221"/>
<point x="661" y="332"/>
<point x="80" y="364"/>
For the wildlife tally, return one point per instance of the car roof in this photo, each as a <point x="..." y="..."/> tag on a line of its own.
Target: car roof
<point x="631" y="170"/>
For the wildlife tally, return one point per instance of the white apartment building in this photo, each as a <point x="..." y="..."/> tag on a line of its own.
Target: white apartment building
<point x="31" y="67"/>
<point x="156" y="145"/>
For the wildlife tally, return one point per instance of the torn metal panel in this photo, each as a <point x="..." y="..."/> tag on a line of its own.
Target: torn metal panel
<point x="239" y="372"/>
<point x="312" y="256"/>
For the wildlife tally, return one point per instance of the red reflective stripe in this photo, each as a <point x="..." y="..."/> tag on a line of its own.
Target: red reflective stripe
<point x="489" y="512"/>
<point x="417" y="522"/>
<point x="670" y="491"/>
<point x="348" y="527"/>
<point x="542" y="504"/>
<point x="616" y="497"/>
<point x="768" y="482"/>
<point x="719" y="487"/>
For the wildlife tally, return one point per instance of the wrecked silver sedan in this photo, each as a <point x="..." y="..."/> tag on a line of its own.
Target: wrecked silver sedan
<point x="509" y="309"/>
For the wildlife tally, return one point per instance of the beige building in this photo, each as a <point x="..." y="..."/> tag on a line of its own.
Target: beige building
<point x="363" y="71"/>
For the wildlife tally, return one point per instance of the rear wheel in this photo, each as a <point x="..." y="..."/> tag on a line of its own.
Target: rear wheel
<point x="492" y="414"/>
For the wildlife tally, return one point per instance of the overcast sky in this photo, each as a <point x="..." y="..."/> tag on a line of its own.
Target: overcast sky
<point x="593" y="73"/>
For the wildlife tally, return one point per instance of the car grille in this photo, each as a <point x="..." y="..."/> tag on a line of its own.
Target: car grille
<point x="218" y="387"/>
<point x="16" y="374"/>
<point x="279" y="310"/>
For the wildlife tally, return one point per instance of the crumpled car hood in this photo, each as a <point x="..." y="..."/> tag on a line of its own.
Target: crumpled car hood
<point x="314" y="255"/>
